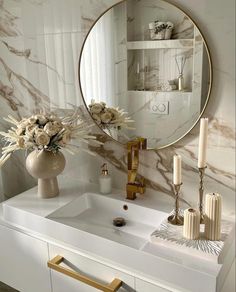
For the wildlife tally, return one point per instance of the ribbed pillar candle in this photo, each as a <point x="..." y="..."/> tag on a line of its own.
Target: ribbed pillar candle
<point x="212" y="216"/>
<point x="191" y="228"/>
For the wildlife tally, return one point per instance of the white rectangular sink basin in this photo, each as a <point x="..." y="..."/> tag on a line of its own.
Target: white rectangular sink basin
<point x="94" y="213"/>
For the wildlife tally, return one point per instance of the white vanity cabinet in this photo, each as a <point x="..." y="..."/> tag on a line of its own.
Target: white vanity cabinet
<point x="91" y="269"/>
<point x="23" y="261"/>
<point x="143" y="286"/>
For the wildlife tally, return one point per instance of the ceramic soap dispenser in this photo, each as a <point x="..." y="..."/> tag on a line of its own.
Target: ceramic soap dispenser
<point x="105" y="180"/>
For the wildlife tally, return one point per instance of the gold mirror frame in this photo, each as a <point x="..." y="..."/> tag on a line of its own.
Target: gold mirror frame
<point x="210" y="74"/>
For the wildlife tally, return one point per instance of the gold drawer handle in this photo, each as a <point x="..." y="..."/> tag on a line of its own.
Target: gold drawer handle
<point x="55" y="265"/>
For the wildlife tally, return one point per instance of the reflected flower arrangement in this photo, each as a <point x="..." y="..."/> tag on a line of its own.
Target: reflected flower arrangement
<point x="109" y="117"/>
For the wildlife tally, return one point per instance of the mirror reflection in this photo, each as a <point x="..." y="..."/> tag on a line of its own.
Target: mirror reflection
<point x="145" y="72"/>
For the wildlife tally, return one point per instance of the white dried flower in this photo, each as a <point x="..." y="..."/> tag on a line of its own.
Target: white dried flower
<point x="23" y="123"/>
<point x="103" y="104"/>
<point x="44" y="131"/>
<point x="38" y="130"/>
<point x="30" y="129"/>
<point x="19" y="131"/>
<point x="58" y="124"/>
<point x="51" y="129"/>
<point x="96" y="108"/>
<point x="41" y="119"/>
<point x="97" y="118"/>
<point x="53" y="118"/>
<point x="21" y="143"/>
<point x="32" y="120"/>
<point x="106" y="117"/>
<point x="66" y="137"/>
<point x="42" y="139"/>
<point x="109" y="117"/>
<point x="114" y="112"/>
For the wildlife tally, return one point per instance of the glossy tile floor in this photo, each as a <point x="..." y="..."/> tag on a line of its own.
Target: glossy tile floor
<point x="5" y="288"/>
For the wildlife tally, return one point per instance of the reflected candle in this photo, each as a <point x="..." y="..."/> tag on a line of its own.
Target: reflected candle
<point x="202" y="143"/>
<point x="177" y="170"/>
<point x="137" y="68"/>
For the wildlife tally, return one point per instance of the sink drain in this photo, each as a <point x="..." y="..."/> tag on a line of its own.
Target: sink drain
<point x="119" y="222"/>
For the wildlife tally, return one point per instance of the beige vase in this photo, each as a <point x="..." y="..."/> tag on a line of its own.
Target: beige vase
<point x="46" y="166"/>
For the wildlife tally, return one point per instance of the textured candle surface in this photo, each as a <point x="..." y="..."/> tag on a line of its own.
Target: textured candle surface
<point x="191" y="228"/>
<point x="202" y="143"/>
<point x="177" y="169"/>
<point x="212" y="217"/>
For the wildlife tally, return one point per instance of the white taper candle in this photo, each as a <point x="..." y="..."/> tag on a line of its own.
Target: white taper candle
<point x="177" y="170"/>
<point x="137" y="68"/>
<point x="212" y="216"/>
<point x="202" y="143"/>
<point x="191" y="227"/>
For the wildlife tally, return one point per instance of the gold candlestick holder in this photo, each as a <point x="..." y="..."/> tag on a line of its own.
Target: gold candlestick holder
<point x="176" y="219"/>
<point x="201" y="171"/>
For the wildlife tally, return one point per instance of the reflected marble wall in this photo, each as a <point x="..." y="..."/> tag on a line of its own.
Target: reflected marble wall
<point x="40" y="44"/>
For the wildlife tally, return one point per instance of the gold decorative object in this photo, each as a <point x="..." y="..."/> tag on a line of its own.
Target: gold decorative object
<point x="176" y="219"/>
<point x="55" y="265"/>
<point x="201" y="190"/>
<point x="134" y="185"/>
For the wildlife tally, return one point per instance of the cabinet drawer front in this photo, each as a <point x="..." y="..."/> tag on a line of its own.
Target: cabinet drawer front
<point x="23" y="261"/>
<point x="142" y="286"/>
<point x="91" y="269"/>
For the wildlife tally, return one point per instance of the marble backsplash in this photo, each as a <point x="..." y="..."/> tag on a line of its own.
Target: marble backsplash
<point x="40" y="43"/>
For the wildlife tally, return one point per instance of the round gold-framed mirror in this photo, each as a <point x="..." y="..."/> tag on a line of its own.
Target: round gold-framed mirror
<point x="145" y="71"/>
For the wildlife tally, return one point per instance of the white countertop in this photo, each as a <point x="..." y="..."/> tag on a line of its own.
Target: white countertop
<point x="154" y="262"/>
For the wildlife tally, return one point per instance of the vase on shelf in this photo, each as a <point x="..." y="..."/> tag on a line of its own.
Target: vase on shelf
<point x="181" y="82"/>
<point x="46" y="166"/>
<point x="139" y="86"/>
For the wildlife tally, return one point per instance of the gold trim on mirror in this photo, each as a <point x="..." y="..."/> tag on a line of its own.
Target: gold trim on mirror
<point x="210" y="74"/>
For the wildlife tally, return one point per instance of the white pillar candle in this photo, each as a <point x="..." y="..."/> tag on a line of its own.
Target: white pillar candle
<point x="202" y="143"/>
<point x="191" y="227"/>
<point x="177" y="169"/>
<point x="212" y="216"/>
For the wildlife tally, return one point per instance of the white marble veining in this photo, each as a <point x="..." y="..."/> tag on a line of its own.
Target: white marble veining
<point x="38" y="67"/>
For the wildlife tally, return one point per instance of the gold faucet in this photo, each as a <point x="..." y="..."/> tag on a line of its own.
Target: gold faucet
<point x="134" y="185"/>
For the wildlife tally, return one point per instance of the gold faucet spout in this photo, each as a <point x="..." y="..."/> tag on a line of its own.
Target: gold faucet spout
<point x="134" y="185"/>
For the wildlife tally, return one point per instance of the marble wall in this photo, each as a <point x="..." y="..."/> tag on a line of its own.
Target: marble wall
<point x="40" y="43"/>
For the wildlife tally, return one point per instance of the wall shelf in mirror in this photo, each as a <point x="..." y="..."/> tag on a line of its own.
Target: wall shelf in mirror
<point x="161" y="44"/>
<point x="148" y="92"/>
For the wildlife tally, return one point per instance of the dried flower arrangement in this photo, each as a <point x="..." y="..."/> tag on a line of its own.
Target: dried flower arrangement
<point x="109" y="117"/>
<point x="45" y="132"/>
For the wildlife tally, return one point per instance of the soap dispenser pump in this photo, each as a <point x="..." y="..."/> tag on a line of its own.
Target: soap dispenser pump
<point x="105" y="180"/>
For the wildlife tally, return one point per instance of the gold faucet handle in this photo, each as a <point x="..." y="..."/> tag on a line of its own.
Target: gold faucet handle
<point x="142" y="143"/>
<point x="132" y="189"/>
